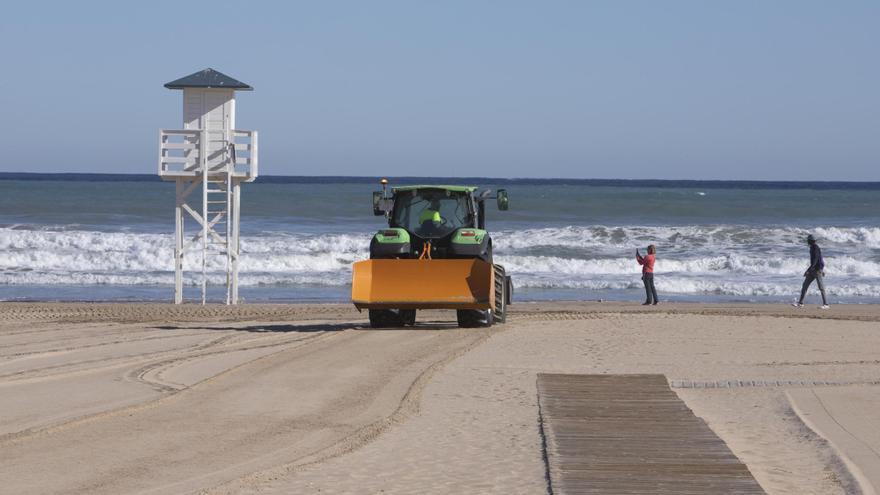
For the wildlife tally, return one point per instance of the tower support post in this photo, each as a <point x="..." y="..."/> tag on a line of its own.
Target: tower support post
<point x="235" y="240"/>
<point x="178" y="241"/>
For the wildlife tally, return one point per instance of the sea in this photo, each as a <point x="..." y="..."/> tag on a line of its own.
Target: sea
<point x="91" y="237"/>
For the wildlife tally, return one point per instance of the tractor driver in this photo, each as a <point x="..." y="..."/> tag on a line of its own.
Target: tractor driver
<point x="430" y="218"/>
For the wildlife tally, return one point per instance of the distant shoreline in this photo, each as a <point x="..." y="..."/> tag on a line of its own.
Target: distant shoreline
<point x="343" y="179"/>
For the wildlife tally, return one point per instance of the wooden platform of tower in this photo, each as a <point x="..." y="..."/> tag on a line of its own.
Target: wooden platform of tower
<point x="208" y="159"/>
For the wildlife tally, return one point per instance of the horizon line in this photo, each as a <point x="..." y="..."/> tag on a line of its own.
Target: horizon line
<point x="408" y="178"/>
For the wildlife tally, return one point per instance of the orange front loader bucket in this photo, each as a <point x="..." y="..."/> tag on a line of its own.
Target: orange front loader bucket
<point x="423" y="284"/>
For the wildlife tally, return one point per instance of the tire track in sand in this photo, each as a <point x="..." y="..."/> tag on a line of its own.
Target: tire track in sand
<point x="140" y="375"/>
<point x="295" y="406"/>
<point x="408" y="406"/>
<point x="104" y="362"/>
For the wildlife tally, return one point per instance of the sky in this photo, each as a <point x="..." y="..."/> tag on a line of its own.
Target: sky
<point x="745" y="89"/>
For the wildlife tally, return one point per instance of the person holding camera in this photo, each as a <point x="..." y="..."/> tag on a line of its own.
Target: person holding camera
<point x="647" y="263"/>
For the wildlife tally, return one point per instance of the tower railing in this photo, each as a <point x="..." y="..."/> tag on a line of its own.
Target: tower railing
<point x="182" y="154"/>
<point x="245" y="155"/>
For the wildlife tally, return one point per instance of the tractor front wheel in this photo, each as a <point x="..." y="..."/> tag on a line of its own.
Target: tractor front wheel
<point x="408" y="316"/>
<point x="389" y="318"/>
<point x="472" y="318"/>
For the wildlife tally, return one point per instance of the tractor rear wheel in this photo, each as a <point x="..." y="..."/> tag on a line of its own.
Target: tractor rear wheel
<point x="501" y="296"/>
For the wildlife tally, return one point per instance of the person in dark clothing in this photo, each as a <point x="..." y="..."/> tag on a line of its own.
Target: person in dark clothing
<point x="647" y="263"/>
<point x="816" y="272"/>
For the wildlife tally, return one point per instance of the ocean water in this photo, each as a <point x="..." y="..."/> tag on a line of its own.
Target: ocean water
<point x="110" y="238"/>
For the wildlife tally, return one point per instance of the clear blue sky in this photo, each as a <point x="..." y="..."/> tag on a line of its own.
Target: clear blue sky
<point x="638" y="89"/>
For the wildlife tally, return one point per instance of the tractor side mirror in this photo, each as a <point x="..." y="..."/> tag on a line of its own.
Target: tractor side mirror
<point x="503" y="201"/>
<point x="381" y="205"/>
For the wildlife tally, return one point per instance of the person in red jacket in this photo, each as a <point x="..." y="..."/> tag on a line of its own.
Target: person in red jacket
<point x="647" y="263"/>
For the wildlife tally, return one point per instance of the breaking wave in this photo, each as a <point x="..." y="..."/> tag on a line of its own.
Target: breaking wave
<point x="725" y="259"/>
<point x="697" y="237"/>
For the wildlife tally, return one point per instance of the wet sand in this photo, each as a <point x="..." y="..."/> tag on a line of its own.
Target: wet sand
<point x="148" y="398"/>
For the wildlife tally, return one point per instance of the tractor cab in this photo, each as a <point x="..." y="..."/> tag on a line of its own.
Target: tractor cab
<point x="431" y="213"/>
<point x="434" y="221"/>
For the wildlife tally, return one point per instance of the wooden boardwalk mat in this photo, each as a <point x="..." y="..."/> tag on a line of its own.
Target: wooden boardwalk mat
<point x="630" y="434"/>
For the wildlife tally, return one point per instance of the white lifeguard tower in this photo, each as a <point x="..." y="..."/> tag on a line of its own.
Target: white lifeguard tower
<point x="208" y="152"/>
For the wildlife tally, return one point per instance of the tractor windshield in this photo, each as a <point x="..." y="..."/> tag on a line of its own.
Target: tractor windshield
<point x="431" y="213"/>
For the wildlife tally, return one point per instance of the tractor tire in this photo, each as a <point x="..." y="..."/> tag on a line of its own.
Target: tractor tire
<point x="408" y="316"/>
<point x="501" y="296"/>
<point x="474" y="318"/>
<point x="385" y="318"/>
<point x="487" y="256"/>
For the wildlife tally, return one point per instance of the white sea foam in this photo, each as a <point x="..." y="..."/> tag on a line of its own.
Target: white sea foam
<point x="707" y="285"/>
<point x="674" y="285"/>
<point x="733" y="265"/>
<point x="724" y="259"/>
<point x="720" y="237"/>
<point x="868" y="237"/>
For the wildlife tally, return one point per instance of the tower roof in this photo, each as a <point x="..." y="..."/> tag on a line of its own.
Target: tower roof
<point x="208" y="78"/>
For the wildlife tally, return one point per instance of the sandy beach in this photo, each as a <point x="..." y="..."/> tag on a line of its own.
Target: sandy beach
<point x="152" y="398"/>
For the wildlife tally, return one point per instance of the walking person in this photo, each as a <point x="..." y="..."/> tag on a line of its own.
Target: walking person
<point x="816" y="272"/>
<point x="647" y="263"/>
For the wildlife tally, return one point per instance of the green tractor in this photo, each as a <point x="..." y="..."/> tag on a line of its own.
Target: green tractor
<point x="435" y="254"/>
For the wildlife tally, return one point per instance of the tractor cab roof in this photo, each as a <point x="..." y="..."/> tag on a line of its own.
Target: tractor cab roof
<point x="463" y="189"/>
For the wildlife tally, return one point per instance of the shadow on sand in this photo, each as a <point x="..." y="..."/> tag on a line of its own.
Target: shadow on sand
<point x="418" y="326"/>
<point x="323" y="327"/>
<point x="328" y="327"/>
